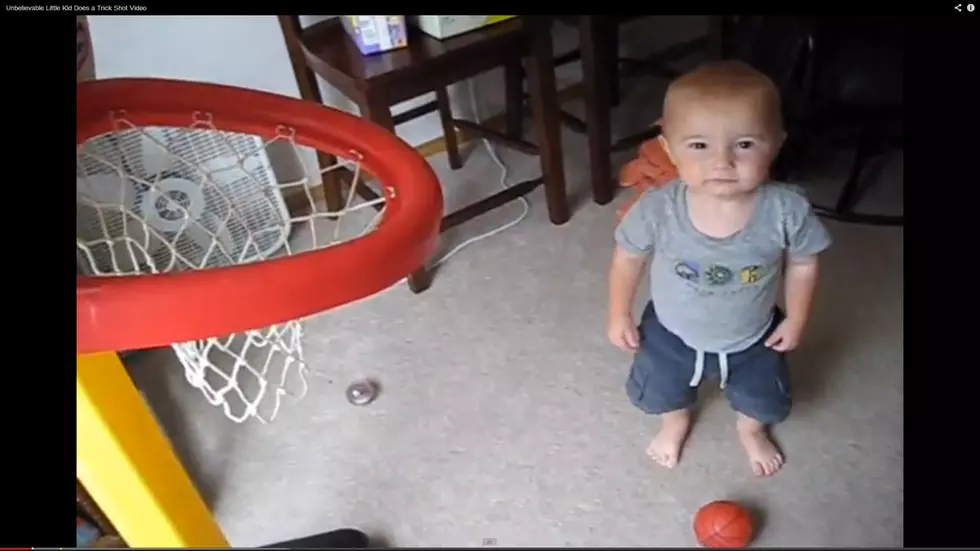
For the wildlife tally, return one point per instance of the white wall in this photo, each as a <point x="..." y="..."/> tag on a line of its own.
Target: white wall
<point x="246" y="51"/>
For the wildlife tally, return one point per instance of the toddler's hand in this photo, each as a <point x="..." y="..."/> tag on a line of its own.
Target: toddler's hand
<point x="786" y="336"/>
<point x="623" y="333"/>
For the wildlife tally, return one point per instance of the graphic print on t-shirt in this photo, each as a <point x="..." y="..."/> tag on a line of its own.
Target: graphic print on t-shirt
<point x="750" y="274"/>
<point x="717" y="276"/>
<point x="687" y="271"/>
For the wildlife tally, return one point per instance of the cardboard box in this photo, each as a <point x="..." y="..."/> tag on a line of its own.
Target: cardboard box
<point x="445" y="26"/>
<point x="375" y="34"/>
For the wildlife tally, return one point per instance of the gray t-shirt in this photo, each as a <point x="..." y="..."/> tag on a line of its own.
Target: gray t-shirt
<point x="717" y="295"/>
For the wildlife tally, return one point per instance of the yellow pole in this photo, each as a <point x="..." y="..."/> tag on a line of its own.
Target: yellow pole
<point x="127" y="465"/>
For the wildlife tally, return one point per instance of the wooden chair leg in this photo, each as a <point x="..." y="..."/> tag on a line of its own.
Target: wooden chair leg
<point x="596" y="75"/>
<point x="420" y="280"/>
<point x="852" y="192"/>
<point x="333" y="193"/>
<point x="378" y="111"/>
<point x="611" y="60"/>
<point x="448" y="128"/>
<point x="514" y="98"/>
<point x="544" y="108"/>
<point x="720" y="28"/>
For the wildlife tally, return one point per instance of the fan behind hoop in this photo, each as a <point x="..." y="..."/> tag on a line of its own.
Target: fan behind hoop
<point x="174" y="256"/>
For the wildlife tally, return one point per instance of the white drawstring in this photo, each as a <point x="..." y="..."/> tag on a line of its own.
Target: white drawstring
<point x="723" y="368"/>
<point x="699" y="368"/>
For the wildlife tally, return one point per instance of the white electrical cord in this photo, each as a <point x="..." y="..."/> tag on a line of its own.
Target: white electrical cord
<point x="503" y="183"/>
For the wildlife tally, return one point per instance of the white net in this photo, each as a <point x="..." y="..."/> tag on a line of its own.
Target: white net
<point x="154" y="200"/>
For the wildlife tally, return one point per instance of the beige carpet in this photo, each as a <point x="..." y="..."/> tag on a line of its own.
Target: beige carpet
<point x="503" y="419"/>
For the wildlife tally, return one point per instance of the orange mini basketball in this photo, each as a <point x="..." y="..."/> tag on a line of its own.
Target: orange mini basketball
<point x="723" y="524"/>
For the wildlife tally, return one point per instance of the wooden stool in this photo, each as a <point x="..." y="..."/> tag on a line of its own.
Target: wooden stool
<point x="377" y="82"/>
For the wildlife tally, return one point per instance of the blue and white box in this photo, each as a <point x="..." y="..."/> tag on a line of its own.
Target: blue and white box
<point x="375" y="34"/>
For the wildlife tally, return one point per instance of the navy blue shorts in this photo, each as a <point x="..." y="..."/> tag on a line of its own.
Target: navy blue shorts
<point x="660" y="378"/>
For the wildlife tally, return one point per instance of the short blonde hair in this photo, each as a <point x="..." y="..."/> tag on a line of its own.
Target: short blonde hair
<point x="725" y="80"/>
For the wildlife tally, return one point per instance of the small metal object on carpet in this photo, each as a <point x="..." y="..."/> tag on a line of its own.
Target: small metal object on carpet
<point x="362" y="392"/>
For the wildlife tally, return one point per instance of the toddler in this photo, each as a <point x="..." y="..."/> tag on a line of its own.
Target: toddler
<point x="720" y="239"/>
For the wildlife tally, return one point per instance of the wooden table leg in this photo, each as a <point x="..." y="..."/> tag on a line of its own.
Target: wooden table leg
<point x="377" y="110"/>
<point x="596" y="75"/>
<point x="544" y="108"/>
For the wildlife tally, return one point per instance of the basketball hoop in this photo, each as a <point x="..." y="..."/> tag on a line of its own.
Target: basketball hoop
<point x="171" y="256"/>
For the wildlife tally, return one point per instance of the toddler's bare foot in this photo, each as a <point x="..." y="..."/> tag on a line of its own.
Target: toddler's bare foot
<point x="764" y="456"/>
<point x="666" y="446"/>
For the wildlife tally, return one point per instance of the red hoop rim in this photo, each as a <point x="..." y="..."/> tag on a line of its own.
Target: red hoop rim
<point x="145" y="311"/>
